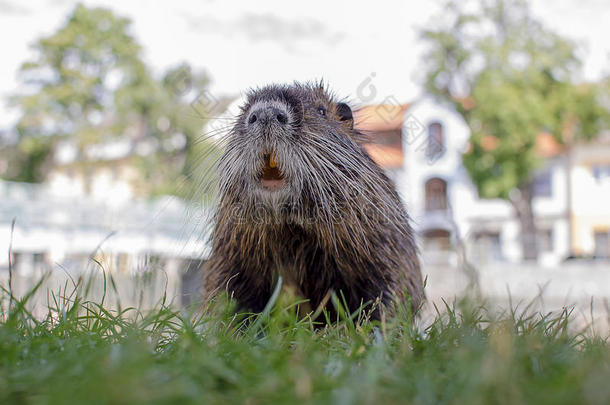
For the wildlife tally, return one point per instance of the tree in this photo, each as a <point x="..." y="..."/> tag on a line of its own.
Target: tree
<point x="88" y="86"/>
<point x="510" y="79"/>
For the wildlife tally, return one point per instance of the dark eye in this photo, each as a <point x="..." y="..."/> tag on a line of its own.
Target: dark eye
<point x="322" y="111"/>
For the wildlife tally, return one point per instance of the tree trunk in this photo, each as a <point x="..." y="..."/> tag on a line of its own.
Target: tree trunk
<point x="522" y="203"/>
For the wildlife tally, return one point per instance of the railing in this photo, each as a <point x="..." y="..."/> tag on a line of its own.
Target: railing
<point x="58" y="229"/>
<point x="33" y="206"/>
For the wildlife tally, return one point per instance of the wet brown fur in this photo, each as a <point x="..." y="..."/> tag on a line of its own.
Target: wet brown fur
<point x="338" y="224"/>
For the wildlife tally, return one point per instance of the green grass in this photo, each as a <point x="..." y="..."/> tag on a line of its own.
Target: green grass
<point x="82" y="352"/>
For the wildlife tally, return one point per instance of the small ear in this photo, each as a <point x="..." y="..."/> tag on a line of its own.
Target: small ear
<point x="345" y="115"/>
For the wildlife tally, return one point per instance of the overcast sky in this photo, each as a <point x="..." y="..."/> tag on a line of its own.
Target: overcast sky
<point x="244" y="44"/>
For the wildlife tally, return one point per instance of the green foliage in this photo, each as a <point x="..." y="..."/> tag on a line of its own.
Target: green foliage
<point x="85" y="352"/>
<point x="88" y="85"/>
<point x="510" y="78"/>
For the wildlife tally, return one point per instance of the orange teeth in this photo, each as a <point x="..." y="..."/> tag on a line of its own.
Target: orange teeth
<point x="272" y="162"/>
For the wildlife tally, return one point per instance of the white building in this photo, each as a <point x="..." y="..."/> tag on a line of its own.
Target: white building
<point x="71" y="233"/>
<point x="590" y="198"/>
<point x="426" y="164"/>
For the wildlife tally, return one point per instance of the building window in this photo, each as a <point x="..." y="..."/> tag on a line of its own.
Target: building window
<point x="25" y="263"/>
<point x="601" y="173"/>
<point x="17" y="260"/>
<point x="437" y="240"/>
<point x="602" y="245"/>
<point x="543" y="184"/>
<point x="436" y="195"/>
<point x="487" y="247"/>
<point x="191" y="282"/>
<point x="436" y="141"/>
<point x="121" y="262"/>
<point x="545" y="240"/>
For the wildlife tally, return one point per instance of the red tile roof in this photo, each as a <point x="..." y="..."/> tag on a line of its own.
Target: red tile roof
<point x="376" y="119"/>
<point x="386" y="156"/>
<point x="547" y="146"/>
<point x="380" y="117"/>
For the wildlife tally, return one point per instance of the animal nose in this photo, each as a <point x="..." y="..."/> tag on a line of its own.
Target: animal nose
<point x="267" y="116"/>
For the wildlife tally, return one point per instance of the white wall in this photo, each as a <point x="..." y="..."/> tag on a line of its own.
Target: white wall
<point x="468" y="212"/>
<point x="65" y="226"/>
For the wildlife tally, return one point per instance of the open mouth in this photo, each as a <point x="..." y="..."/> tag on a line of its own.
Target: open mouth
<point x="272" y="178"/>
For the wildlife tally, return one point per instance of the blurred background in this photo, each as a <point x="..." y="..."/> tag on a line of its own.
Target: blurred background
<point x="491" y="116"/>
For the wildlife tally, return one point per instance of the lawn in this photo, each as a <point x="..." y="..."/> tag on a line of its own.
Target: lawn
<point x="93" y="352"/>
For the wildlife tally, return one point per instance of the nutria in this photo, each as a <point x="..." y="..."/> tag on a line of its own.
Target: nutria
<point x="299" y="197"/>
